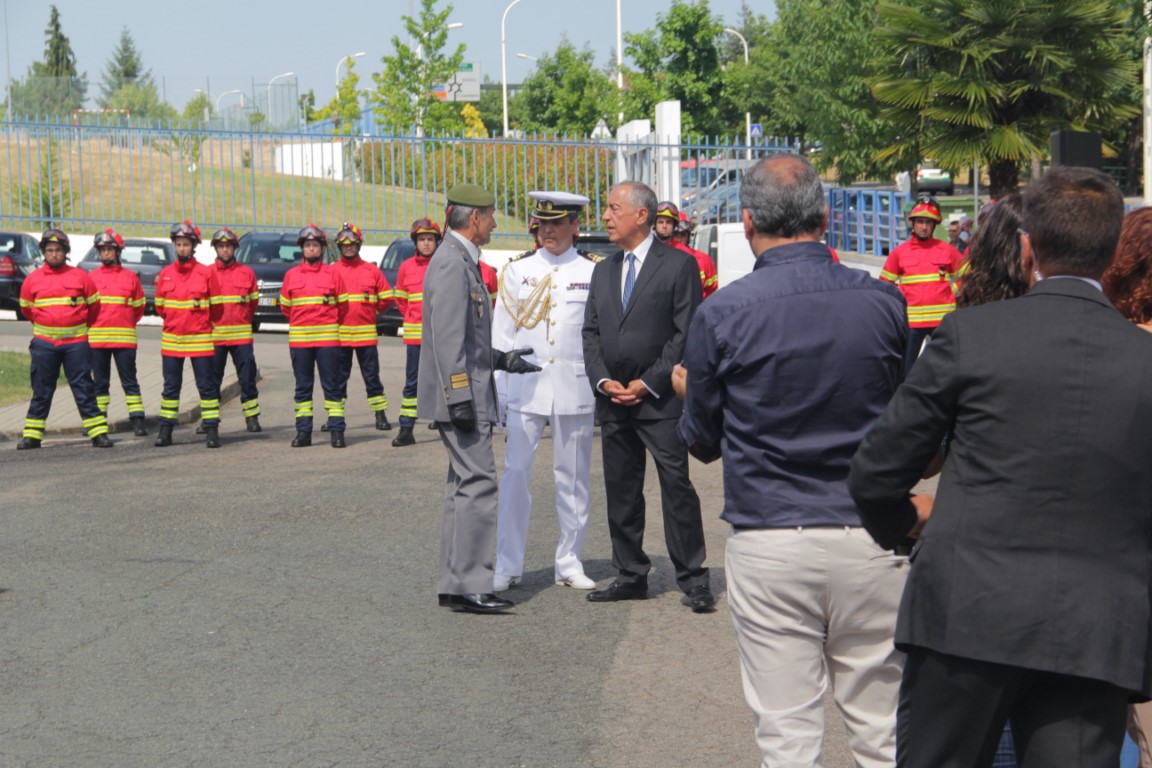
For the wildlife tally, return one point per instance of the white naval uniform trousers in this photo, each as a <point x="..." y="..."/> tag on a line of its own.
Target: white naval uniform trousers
<point x="558" y="395"/>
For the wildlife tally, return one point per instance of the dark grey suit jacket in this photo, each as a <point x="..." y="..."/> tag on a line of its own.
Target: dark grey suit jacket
<point x="456" y="351"/>
<point x="647" y="341"/>
<point x="1038" y="553"/>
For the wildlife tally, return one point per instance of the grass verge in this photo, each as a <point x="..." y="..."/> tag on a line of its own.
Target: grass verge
<point x="14" y="384"/>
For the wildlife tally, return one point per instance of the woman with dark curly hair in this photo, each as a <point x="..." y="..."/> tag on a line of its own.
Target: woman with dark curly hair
<point x="996" y="269"/>
<point x="1128" y="282"/>
<point x="1128" y="285"/>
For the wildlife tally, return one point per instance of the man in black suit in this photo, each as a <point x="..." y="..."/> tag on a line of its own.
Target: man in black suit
<point x="1028" y="598"/>
<point x="639" y="307"/>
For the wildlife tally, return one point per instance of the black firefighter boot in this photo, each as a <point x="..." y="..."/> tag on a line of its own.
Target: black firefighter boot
<point x="337" y="436"/>
<point x="165" y="436"/>
<point x="302" y="440"/>
<point x="212" y="437"/>
<point x="403" y="437"/>
<point x="138" y="427"/>
<point x="28" y="443"/>
<point x="252" y="423"/>
<point x="382" y="422"/>
<point x="101" y="441"/>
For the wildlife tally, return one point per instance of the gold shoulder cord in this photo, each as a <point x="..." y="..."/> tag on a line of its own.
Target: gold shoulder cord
<point x="529" y="312"/>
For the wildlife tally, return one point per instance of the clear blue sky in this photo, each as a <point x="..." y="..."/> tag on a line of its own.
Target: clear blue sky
<point x="219" y="45"/>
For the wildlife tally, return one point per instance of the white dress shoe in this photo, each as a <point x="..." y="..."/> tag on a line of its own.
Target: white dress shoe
<point x="577" y="581"/>
<point x="503" y="583"/>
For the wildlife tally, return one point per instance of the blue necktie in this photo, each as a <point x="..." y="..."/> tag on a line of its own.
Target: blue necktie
<point x="629" y="279"/>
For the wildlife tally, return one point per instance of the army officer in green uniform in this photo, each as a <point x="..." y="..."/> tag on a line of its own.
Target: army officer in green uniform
<point x="457" y="391"/>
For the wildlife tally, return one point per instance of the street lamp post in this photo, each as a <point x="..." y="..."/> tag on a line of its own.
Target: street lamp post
<point x="278" y="77"/>
<point x="747" y="115"/>
<point x="340" y="63"/>
<point x="221" y="96"/>
<point x="504" y="62"/>
<point x="620" y="63"/>
<point x="526" y="56"/>
<point x="234" y="90"/>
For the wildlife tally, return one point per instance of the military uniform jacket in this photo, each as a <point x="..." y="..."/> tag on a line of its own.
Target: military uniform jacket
<point x="456" y="353"/>
<point x="541" y="305"/>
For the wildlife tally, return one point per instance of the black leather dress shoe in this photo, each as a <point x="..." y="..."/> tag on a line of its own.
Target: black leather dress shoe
<point x="700" y="599"/>
<point x="444" y="600"/>
<point x="479" y="603"/>
<point x="617" y="591"/>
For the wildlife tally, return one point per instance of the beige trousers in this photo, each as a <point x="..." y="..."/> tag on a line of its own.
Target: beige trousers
<point x="813" y="608"/>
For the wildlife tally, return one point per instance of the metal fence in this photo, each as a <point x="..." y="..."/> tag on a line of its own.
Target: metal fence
<point x="141" y="178"/>
<point x="866" y="220"/>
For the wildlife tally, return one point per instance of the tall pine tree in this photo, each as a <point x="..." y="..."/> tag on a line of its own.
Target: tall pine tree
<point x="53" y="86"/>
<point x="124" y="68"/>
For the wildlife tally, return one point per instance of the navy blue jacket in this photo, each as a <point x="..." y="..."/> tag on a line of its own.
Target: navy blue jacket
<point x="788" y="368"/>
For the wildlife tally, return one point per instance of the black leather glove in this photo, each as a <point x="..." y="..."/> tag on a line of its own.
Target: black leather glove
<point x="463" y="416"/>
<point x="513" y="361"/>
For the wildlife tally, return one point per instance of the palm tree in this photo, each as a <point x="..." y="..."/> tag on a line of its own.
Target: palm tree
<point x="989" y="80"/>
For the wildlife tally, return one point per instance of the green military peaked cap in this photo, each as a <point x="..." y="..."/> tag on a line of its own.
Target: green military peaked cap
<point x="471" y="195"/>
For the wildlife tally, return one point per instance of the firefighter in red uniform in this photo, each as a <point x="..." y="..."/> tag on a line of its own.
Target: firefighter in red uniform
<point x="409" y="295"/>
<point x="61" y="302"/>
<point x="188" y="298"/>
<point x="925" y="270"/>
<point x="366" y="294"/>
<point x="112" y="336"/>
<point x="709" y="281"/>
<point x="667" y="220"/>
<point x="232" y="335"/>
<point x="491" y="280"/>
<point x="310" y="298"/>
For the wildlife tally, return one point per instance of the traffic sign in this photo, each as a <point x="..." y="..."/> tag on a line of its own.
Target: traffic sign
<point x="756" y="131"/>
<point x="464" y="85"/>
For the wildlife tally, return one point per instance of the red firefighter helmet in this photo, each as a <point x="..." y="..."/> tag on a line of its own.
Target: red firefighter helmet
<point x="224" y="235"/>
<point x="312" y="232"/>
<point x="926" y="207"/>
<point x="185" y="229"/>
<point x="109" y="238"/>
<point x="55" y="235"/>
<point x="425" y="226"/>
<point x="349" y="234"/>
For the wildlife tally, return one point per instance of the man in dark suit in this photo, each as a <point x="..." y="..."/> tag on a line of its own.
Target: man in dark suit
<point x="1028" y="598"/>
<point x="636" y="320"/>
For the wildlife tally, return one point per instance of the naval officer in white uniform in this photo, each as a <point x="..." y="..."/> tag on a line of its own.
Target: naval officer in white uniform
<point x="541" y="305"/>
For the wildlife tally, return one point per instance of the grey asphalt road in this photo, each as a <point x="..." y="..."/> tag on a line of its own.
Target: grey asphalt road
<point x="260" y="605"/>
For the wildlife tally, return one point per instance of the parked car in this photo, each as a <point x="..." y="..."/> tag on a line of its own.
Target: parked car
<point x="930" y="179"/>
<point x="271" y="255"/>
<point x="142" y="255"/>
<point x="400" y="250"/>
<point x="19" y="255"/>
<point x="721" y="206"/>
<point x="596" y="242"/>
